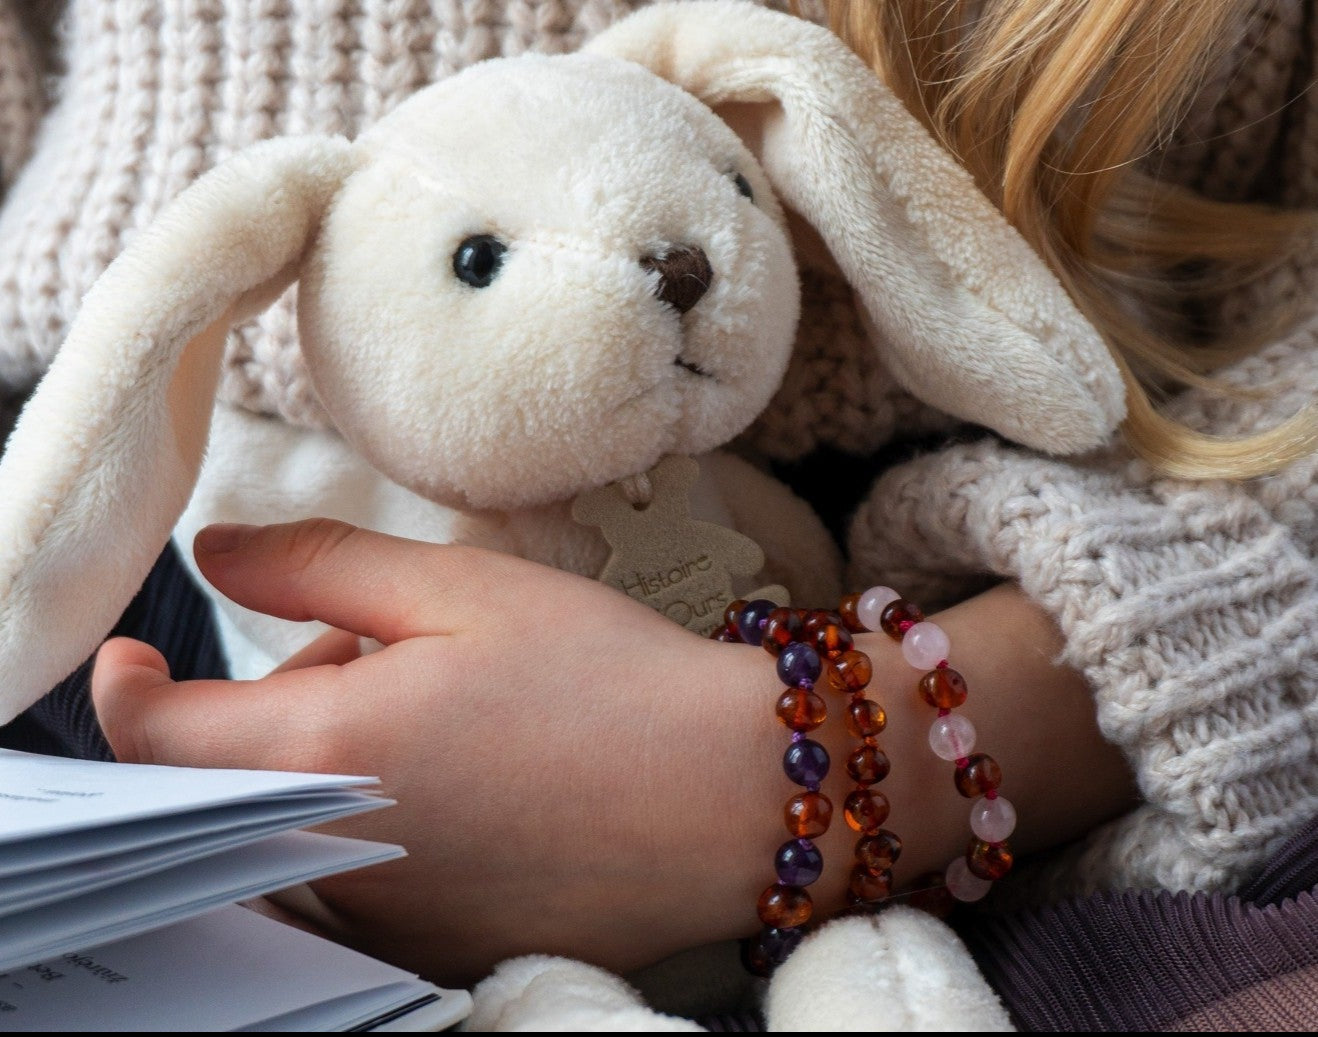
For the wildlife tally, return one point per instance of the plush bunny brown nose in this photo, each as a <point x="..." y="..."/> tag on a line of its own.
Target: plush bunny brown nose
<point x="684" y="276"/>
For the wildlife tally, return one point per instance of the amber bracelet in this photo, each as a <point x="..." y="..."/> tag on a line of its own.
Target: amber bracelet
<point x="806" y="643"/>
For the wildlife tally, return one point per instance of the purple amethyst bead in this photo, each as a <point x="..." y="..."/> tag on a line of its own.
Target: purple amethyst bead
<point x="806" y="763"/>
<point x="750" y="624"/>
<point x="798" y="664"/>
<point x="777" y="944"/>
<point x="799" y="862"/>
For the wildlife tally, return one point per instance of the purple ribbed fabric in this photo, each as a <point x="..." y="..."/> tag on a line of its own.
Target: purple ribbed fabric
<point x="1165" y="961"/>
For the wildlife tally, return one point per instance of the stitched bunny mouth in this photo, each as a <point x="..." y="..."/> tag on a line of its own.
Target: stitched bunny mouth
<point x="696" y="369"/>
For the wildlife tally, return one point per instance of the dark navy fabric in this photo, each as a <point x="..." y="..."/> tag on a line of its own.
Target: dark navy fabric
<point x="169" y="613"/>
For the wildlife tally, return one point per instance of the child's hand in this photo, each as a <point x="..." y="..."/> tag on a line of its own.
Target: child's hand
<point x="576" y="774"/>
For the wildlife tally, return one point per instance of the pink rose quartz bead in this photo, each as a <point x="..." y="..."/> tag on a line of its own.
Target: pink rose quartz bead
<point x="992" y="819"/>
<point x="952" y="738"/>
<point x="869" y="609"/>
<point x="964" y="885"/>
<point x="925" y="646"/>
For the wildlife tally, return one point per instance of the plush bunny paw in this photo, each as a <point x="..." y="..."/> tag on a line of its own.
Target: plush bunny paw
<point x="900" y="970"/>
<point x="545" y="994"/>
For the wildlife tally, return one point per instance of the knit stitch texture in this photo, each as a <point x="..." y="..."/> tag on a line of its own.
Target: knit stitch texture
<point x="21" y="96"/>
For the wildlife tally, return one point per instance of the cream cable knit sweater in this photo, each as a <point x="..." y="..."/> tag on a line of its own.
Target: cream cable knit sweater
<point x="21" y="99"/>
<point x="1190" y="608"/>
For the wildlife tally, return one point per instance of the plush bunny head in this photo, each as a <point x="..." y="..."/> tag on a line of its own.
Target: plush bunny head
<point x="541" y="276"/>
<point x="527" y="281"/>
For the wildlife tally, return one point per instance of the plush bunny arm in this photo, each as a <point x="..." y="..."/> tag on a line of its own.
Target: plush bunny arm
<point x="106" y="453"/>
<point x="969" y="318"/>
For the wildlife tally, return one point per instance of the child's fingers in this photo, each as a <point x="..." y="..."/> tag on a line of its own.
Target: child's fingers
<point x="127" y="673"/>
<point x="287" y="721"/>
<point x="353" y="579"/>
<point x="134" y="658"/>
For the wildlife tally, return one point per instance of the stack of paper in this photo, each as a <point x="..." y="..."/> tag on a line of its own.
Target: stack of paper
<point x="92" y="853"/>
<point x="230" y="969"/>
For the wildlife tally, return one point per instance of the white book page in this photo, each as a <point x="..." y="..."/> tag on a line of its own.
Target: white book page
<point x="181" y="892"/>
<point x="225" y="970"/>
<point x="36" y="887"/>
<point x="47" y="795"/>
<point x="297" y="810"/>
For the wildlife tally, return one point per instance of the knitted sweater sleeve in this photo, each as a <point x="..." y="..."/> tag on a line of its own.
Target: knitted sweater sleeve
<point x="1190" y="608"/>
<point x="21" y="100"/>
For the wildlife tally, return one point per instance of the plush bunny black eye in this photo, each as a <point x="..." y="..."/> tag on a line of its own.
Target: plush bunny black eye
<point x="478" y="259"/>
<point x="744" y="186"/>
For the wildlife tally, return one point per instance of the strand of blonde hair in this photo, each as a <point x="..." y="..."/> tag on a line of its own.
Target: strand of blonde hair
<point x="1052" y="105"/>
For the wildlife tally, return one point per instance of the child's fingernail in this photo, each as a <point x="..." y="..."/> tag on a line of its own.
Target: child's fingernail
<point x="223" y="537"/>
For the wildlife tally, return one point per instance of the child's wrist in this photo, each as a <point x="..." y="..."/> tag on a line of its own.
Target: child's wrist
<point x="1004" y="646"/>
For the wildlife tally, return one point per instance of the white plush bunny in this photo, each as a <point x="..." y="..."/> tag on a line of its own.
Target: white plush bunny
<point x="532" y="279"/>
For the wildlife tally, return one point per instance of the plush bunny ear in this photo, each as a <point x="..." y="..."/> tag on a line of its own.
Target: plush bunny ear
<point x="107" y="451"/>
<point x="968" y="317"/>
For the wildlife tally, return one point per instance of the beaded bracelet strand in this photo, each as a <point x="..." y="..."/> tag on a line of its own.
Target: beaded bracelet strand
<point x="803" y="641"/>
<point x="786" y="906"/>
<point x="926" y="647"/>
<point x="866" y="808"/>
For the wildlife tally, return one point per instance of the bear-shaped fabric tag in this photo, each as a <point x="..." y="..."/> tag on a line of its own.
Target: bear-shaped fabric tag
<point x="682" y="567"/>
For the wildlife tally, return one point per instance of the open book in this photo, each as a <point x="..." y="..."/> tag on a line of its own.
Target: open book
<point x="93" y="854"/>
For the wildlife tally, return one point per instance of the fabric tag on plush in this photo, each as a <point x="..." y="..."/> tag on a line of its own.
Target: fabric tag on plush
<point x="682" y="567"/>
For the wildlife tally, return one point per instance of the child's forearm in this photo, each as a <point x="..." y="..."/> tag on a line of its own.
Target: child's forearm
<point x="1034" y="717"/>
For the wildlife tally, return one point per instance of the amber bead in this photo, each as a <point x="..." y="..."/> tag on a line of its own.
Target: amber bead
<point x="868" y="764"/>
<point x="831" y="641"/>
<point x="784" y="907"/>
<point x="850" y="617"/>
<point x="801" y="710"/>
<point x="929" y="893"/>
<point x="866" y="810"/>
<point x="943" y="688"/>
<point x="851" y="671"/>
<point x="808" y="814"/>
<point x="879" y="851"/>
<point x="782" y="628"/>
<point x="869" y="887"/>
<point x="724" y="635"/>
<point x="865" y="718"/>
<point x="980" y="774"/>
<point x="897" y="614"/>
<point x="755" y="958"/>
<point x="988" y="860"/>
<point x="731" y="613"/>
<point x="817" y="618"/>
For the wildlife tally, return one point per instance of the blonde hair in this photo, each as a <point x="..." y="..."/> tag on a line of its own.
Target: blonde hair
<point x="1051" y="105"/>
